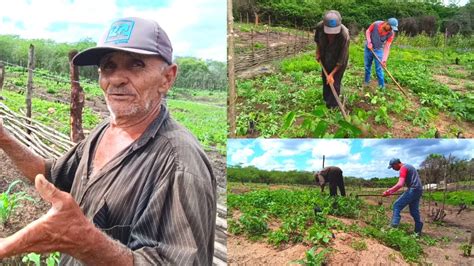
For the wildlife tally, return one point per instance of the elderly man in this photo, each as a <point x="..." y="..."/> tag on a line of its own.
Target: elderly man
<point x="379" y="36"/>
<point x="139" y="190"/>
<point x="332" y="39"/>
<point x="333" y="176"/>
<point x="411" y="179"/>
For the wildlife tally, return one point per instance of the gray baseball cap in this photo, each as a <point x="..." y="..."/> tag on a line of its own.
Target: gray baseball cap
<point x="392" y="162"/>
<point x="135" y="35"/>
<point x="332" y="22"/>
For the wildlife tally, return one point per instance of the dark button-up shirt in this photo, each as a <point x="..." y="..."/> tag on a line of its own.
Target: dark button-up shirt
<point x="336" y="53"/>
<point x="157" y="197"/>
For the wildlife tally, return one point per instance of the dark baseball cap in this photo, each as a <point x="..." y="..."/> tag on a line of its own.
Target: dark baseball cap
<point x="392" y="162"/>
<point x="132" y="34"/>
<point x="332" y="22"/>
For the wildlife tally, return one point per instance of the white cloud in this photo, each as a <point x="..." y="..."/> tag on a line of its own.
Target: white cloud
<point x="241" y="156"/>
<point x="355" y="157"/>
<point x="335" y="149"/>
<point x="178" y="20"/>
<point x="265" y="162"/>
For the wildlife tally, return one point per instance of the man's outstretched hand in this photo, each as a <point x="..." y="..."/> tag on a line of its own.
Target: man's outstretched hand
<point x="63" y="228"/>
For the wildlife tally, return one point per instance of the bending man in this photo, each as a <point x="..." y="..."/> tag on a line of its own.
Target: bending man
<point x="332" y="52"/>
<point x="333" y="176"/>
<point x="379" y="36"/>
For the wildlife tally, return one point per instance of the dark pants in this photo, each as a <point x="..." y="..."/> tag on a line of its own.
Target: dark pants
<point x="328" y="96"/>
<point x="336" y="180"/>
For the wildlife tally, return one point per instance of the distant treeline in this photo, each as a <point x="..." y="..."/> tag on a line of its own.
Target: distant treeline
<point x="254" y="175"/>
<point x="52" y="56"/>
<point x="415" y="17"/>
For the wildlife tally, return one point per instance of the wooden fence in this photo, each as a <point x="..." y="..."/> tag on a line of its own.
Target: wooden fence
<point x="277" y="45"/>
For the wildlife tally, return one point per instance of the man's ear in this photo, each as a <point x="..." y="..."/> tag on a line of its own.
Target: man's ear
<point x="169" y="76"/>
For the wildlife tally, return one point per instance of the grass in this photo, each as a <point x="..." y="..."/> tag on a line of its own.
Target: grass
<point x="201" y="111"/>
<point x="453" y="197"/>
<point x="55" y="115"/>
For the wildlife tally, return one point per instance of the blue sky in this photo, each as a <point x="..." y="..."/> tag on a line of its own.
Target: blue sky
<point x="196" y="27"/>
<point x="365" y="158"/>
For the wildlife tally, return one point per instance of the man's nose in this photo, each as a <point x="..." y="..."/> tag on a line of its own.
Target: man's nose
<point x="118" y="78"/>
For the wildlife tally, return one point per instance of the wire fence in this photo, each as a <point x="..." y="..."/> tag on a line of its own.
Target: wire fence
<point x="47" y="76"/>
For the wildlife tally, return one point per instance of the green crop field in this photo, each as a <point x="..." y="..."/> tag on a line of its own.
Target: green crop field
<point x="289" y="103"/>
<point x="202" y="112"/>
<point x="306" y="216"/>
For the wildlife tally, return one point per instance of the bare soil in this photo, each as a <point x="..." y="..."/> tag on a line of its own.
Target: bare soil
<point x="453" y="232"/>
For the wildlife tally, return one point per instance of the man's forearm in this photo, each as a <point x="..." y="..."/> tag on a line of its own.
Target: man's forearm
<point x="334" y="71"/>
<point x="25" y="160"/>
<point x="100" y="249"/>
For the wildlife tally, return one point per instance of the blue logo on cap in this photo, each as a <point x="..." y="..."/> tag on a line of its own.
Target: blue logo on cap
<point x="332" y="23"/>
<point x="120" y="31"/>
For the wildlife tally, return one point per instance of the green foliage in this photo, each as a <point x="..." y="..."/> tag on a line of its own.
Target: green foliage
<point x="466" y="249"/>
<point x="203" y="112"/>
<point x="303" y="214"/>
<point x="304" y="63"/>
<point x="199" y="74"/>
<point x="359" y="14"/>
<point x="314" y="259"/>
<point x="206" y="122"/>
<point x="453" y="197"/>
<point x="10" y="200"/>
<point x="58" y="120"/>
<point x="290" y="104"/>
<point x="51" y="260"/>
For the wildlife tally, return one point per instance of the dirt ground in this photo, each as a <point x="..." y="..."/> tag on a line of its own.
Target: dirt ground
<point x="453" y="233"/>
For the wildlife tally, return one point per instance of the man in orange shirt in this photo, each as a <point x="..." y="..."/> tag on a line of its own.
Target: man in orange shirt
<point x="379" y="38"/>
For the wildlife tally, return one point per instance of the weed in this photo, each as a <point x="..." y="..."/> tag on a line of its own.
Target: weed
<point x="466" y="249"/>
<point x="359" y="245"/>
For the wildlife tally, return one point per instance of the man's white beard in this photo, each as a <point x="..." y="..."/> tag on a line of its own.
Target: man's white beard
<point x="131" y="111"/>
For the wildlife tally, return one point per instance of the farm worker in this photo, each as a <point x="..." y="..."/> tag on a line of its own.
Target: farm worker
<point x="333" y="176"/>
<point x="379" y="36"/>
<point x="411" y="179"/>
<point x="139" y="189"/>
<point x="332" y="52"/>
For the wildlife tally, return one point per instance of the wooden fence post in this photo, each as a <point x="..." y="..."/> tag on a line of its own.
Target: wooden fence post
<point x="253" y="45"/>
<point x="29" y="91"/>
<point x="2" y="77"/>
<point x="268" y="42"/>
<point x="231" y="116"/>
<point x="77" y="101"/>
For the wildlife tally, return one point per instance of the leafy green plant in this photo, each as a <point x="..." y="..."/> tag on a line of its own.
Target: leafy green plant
<point x="51" y="260"/>
<point x="313" y="258"/>
<point x="466" y="249"/>
<point x="9" y="201"/>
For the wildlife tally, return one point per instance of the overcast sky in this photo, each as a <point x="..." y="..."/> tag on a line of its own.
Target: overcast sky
<point x="196" y="27"/>
<point x="365" y="158"/>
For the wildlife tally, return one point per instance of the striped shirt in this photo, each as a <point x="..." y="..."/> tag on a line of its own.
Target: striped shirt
<point x="157" y="197"/>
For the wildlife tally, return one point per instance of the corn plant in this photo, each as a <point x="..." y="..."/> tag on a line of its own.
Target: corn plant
<point x="10" y="201"/>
